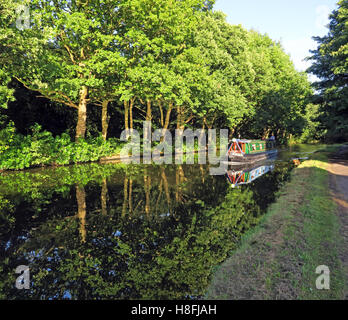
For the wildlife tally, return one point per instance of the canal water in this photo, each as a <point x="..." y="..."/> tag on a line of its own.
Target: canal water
<point x="118" y="231"/>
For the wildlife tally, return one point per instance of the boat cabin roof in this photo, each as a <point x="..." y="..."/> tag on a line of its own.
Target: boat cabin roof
<point x="248" y="141"/>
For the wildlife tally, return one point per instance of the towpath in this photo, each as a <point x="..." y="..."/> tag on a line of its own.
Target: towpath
<point x="339" y="188"/>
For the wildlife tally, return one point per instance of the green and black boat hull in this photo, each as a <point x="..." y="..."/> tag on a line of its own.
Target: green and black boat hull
<point x="251" y="151"/>
<point x="252" y="158"/>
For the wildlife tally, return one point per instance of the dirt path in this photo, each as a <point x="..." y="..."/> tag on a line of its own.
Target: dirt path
<point x="339" y="188"/>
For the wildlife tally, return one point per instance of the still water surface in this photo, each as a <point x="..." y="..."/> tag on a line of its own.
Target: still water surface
<point x="119" y="231"/>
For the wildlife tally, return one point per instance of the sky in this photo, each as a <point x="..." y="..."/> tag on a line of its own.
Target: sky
<point x="292" y="22"/>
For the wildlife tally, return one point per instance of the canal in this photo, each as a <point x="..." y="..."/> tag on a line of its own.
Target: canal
<point x="117" y="231"/>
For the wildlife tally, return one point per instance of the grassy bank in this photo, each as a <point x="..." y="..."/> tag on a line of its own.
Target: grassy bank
<point x="278" y="259"/>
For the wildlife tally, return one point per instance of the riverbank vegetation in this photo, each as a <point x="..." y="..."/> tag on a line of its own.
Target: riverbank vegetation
<point x="40" y="148"/>
<point x="99" y="69"/>
<point x="300" y="231"/>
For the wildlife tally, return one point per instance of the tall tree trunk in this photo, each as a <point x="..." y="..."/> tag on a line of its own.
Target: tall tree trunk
<point x="148" y="111"/>
<point x="177" y="185"/>
<point x="81" y="210"/>
<point x="161" y="113"/>
<point x="182" y="174"/>
<point x="126" y="111"/>
<point x="104" y="197"/>
<point x="130" y="200"/>
<point x="167" y="121"/>
<point x="131" y="113"/>
<point x="180" y="119"/>
<point x="147" y="187"/>
<point x="105" y="119"/>
<point x="82" y="114"/>
<point x="201" y="168"/>
<point x="207" y="124"/>
<point x="125" y="196"/>
<point x="160" y="187"/>
<point x="166" y="187"/>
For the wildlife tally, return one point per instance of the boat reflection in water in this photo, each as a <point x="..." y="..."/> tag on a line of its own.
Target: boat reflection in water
<point x="238" y="176"/>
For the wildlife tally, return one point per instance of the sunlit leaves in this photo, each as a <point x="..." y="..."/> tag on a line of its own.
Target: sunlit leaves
<point x="330" y="65"/>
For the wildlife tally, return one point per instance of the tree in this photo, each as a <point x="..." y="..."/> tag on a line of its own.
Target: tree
<point x="330" y="65"/>
<point x="6" y="94"/>
<point x="254" y="87"/>
<point x="314" y="130"/>
<point x="154" y="34"/>
<point x="282" y="92"/>
<point x="8" y="15"/>
<point x="223" y="47"/>
<point x="61" y="52"/>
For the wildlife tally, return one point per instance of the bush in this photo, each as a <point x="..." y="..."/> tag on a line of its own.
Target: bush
<point x="313" y="131"/>
<point x="41" y="148"/>
<point x="6" y="137"/>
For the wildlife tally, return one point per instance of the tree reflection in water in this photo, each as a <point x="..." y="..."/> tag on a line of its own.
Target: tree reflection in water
<point x="123" y="232"/>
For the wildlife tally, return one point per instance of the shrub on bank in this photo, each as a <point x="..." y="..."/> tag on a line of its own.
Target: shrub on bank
<point x="41" y="148"/>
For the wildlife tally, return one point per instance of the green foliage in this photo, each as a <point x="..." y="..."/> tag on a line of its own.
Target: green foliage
<point x="253" y="88"/>
<point x="7" y="13"/>
<point x="41" y="148"/>
<point x="177" y="55"/>
<point x="279" y="95"/>
<point x="7" y="136"/>
<point x="314" y="130"/>
<point x="331" y="67"/>
<point x="6" y="94"/>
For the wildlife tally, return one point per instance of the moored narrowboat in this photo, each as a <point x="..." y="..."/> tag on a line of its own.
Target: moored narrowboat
<point x="250" y="151"/>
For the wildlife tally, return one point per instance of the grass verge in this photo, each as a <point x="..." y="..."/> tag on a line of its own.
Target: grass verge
<point x="278" y="258"/>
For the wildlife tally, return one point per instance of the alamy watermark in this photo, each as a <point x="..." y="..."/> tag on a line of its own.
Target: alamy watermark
<point x="162" y="152"/>
<point x="323" y="281"/>
<point x="23" y="17"/>
<point x="23" y="281"/>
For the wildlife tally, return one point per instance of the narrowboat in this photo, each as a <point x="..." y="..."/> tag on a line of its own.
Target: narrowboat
<point x="237" y="178"/>
<point x="250" y="151"/>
